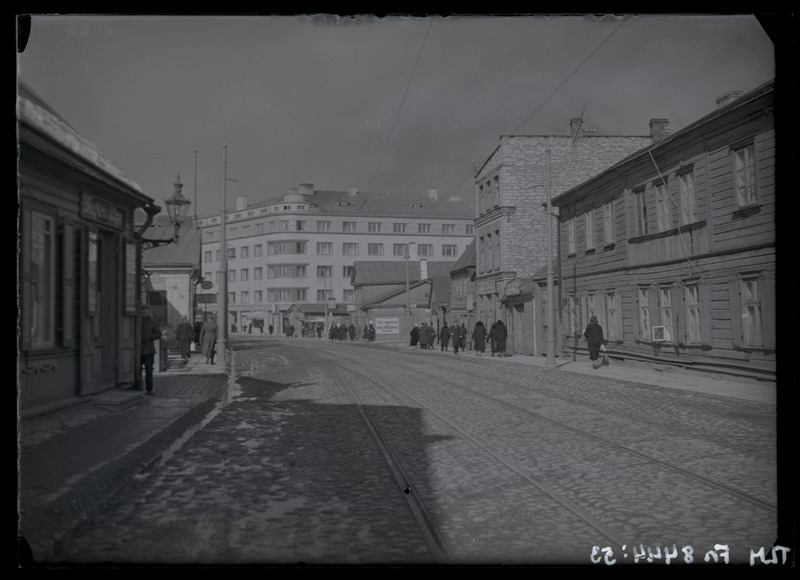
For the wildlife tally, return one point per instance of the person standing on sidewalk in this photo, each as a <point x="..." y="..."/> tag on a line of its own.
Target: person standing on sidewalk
<point x="151" y="332"/>
<point x="184" y="334"/>
<point x="462" y="336"/>
<point x="501" y="332"/>
<point x="444" y="339"/>
<point x="208" y="338"/>
<point x="479" y="338"/>
<point x="594" y="338"/>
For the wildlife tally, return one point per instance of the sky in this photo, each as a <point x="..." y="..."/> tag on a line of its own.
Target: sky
<point x="255" y="105"/>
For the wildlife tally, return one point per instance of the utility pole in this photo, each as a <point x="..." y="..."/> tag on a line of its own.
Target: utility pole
<point x="550" y="340"/>
<point x="223" y="286"/>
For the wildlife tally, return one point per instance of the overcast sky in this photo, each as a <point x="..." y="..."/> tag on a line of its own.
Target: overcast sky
<point x="398" y="104"/>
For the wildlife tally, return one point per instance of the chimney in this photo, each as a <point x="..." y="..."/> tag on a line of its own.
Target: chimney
<point x="659" y="129"/>
<point x="352" y="190"/>
<point x="241" y="203"/>
<point x="574" y="125"/>
<point x="728" y="98"/>
<point x="423" y="269"/>
<point x="307" y="189"/>
<point x="433" y="194"/>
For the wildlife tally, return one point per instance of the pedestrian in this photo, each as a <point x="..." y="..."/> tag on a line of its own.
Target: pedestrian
<point x="414" y="336"/>
<point x="502" y="334"/>
<point x="351" y="331"/>
<point x="444" y="338"/>
<point x="151" y="332"/>
<point x="423" y="336"/>
<point x="208" y="338"/>
<point x="198" y="326"/>
<point x="184" y="335"/>
<point x="371" y="333"/>
<point x="594" y="339"/>
<point x="456" y="338"/>
<point x="479" y="338"/>
<point x="462" y="336"/>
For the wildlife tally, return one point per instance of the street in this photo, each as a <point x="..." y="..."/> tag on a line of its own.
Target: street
<point x="352" y="453"/>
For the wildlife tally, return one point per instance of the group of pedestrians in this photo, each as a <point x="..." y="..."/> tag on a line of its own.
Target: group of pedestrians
<point x="424" y="337"/>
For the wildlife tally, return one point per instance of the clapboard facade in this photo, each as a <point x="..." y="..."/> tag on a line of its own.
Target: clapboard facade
<point x="673" y="248"/>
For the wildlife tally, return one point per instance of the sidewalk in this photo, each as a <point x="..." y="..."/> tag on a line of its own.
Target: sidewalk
<point x="72" y="461"/>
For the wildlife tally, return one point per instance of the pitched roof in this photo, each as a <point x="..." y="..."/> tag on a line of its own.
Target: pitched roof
<point x="467" y="258"/>
<point x="394" y="271"/>
<point x="441" y="289"/>
<point x="185" y="253"/>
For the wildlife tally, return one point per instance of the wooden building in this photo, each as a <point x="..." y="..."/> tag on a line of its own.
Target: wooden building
<point x="78" y="264"/>
<point x="673" y="248"/>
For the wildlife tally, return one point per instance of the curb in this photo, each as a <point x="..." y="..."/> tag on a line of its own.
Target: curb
<point x="93" y="492"/>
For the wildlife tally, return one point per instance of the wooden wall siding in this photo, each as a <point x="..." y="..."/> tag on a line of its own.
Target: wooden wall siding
<point x="679" y="245"/>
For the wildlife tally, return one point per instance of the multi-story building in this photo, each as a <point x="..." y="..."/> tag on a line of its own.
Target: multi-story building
<point x="300" y="248"/>
<point x="511" y="224"/>
<point x="673" y="248"/>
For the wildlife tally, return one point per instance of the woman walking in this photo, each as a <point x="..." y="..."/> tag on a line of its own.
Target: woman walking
<point x="594" y="339"/>
<point x="414" y="336"/>
<point x="479" y="338"/>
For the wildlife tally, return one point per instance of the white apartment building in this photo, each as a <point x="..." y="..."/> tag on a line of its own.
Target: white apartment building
<point x="299" y="250"/>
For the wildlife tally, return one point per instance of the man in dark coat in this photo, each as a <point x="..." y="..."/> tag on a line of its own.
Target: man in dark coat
<point x="351" y="330"/>
<point x="502" y="333"/>
<point x="151" y="332"/>
<point x="414" y="336"/>
<point x="479" y="338"/>
<point x="594" y="338"/>
<point x="444" y="338"/>
<point x="462" y="336"/>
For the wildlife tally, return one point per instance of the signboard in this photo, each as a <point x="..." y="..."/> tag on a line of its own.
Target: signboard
<point x="206" y="298"/>
<point x="387" y="326"/>
<point x="206" y="284"/>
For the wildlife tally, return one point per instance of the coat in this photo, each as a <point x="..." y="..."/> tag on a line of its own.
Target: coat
<point x="444" y="336"/>
<point x="594" y="334"/>
<point x="208" y="337"/>
<point x="184" y="334"/>
<point x="479" y="337"/>
<point x="501" y="332"/>
<point x="462" y="336"/>
<point x="414" y="335"/>
<point x="151" y="332"/>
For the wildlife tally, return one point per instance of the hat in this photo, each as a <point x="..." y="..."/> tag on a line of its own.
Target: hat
<point x="593" y="319"/>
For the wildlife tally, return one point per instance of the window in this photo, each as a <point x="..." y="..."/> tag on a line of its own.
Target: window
<point x="245" y="275"/>
<point x="347" y="272"/>
<point x="349" y="295"/>
<point x="425" y="250"/>
<point x="350" y="249"/>
<point x="41" y="283"/>
<point x="283" y="225"/>
<point x="693" y="314"/>
<point x="470" y="230"/>
<point x="245" y="297"/>
<point x="496" y="250"/>
<point x="246" y="230"/>
<point x="751" y="313"/>
<point x="571" y="235"/>
<point x="257" y="250"/>
<point x="399" y="228"/>
<point x="643" y="305"/>
<point x="489" y="252"/>
<point x="375" y="249"/>
<point x="285" y="248"/>
<point x="207" y="256"/>
<point x="589" y="220"/>
<point x="423" y="228"/>
<point x="640" y="203"/>
<point x="374" y="227"/>
<point x="218" y="255"/>
<point x="663" y="213"/>
<point x="324" y="248"/>
<point x="286" y="271"/>
<point x="219" y="277"/>
<point x="688" y="198"/>
<point x="612" y="321"/>
<point x="325" y="295"/>
<point x="232" y="297"/>
<point x="324" y="271"/>
<point x="450" y="250"/>
<point x="245" y="252"/>
<point x="570" y="316"/>
<point x="231" y="275"/>
<point x="665" y="312"/>
<point x="258" y="273"/>
<point x="286" y="295"/>
<point x="745" y="176"/>
<point x="260" y="228"/>
<point x="608" y="223"/>
<point x="271" y="226"/>
<point x="348" y="226"/>
<point x="231" y="253"/>
<point x="448" y="228"/>
<point x="399" y="250"/>
<point x="258" y="297"/>
<point x="323" y="226"/>
<point x="234" y="232"/>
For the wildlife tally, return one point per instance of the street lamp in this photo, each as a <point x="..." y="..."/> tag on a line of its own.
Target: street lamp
<point x="177" y="207"/>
